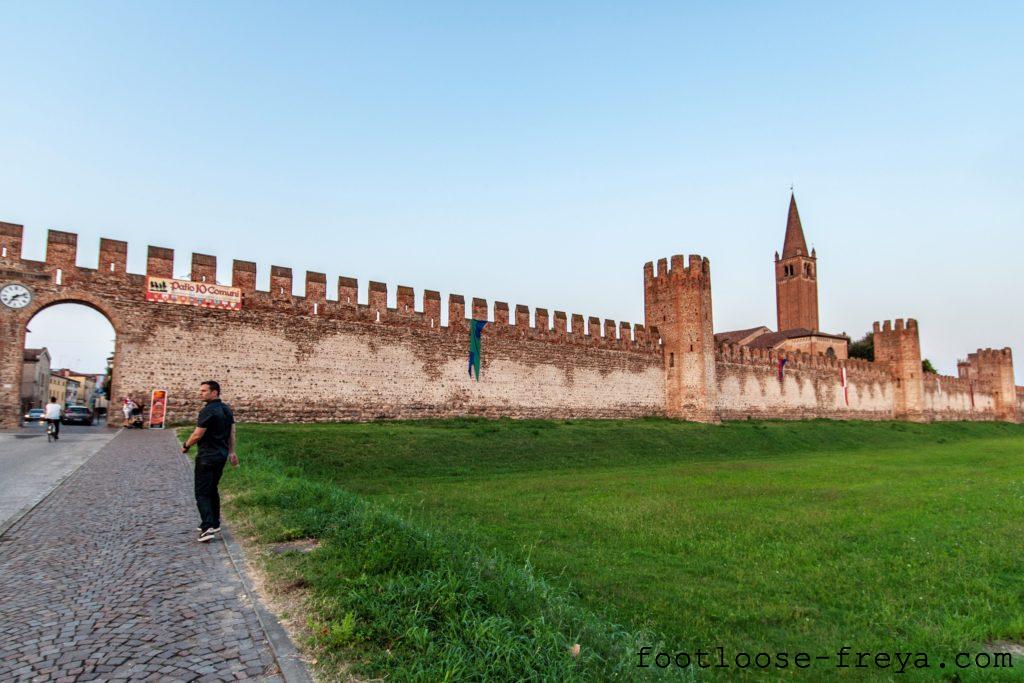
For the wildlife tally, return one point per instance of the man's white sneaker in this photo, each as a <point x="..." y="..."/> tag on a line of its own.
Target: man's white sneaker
<point x="207" y="535"/>
<point x="199" y="528"/>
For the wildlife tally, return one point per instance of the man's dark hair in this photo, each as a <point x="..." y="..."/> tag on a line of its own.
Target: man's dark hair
<point x="214" y="385"/>
<point x="53" y="398"/>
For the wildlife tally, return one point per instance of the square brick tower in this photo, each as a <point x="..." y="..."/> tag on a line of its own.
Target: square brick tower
<point x="898" y="348"/>
<point x="992" y="372"/>
<point x="796" y="278"/>
<point x="678" y="303"/>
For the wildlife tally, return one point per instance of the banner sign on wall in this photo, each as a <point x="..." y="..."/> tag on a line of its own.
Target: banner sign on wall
<point x="205" y="294"/>
<point x="157" y="409"/>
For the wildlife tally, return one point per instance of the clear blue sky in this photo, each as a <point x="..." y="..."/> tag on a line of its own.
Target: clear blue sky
<point x="540" y="153"/>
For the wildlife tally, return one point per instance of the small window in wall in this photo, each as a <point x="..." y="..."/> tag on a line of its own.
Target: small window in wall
<point x="671" y="360"/>
<point x="59" y="277"/>
<point x="830" y="352"/>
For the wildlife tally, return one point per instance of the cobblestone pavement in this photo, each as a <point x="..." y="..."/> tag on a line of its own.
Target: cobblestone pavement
<point x="30" y="466"/>
<point x="104" y="580"/>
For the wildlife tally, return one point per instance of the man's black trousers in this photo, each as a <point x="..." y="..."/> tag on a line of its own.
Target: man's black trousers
<point x="208" y="471"/>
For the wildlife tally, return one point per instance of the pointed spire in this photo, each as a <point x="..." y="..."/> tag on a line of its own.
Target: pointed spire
<point x="795" y="244"/>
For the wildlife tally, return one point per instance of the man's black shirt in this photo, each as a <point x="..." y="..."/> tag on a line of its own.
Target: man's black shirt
<point x="217" y="418"/>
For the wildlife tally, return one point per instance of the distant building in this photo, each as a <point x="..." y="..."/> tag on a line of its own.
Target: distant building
<point x="81" y="387"/>
<point x="58" y="389"/>
<point x="35" y="379"/>
<point x="796" y="299"/>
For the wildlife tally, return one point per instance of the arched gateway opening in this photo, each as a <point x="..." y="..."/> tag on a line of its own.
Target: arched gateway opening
<point x="69" y="353"/>
<point x="29" y="287"/>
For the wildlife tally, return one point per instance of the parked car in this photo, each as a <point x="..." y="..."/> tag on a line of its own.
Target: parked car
<point x="35" y="415"/>
<point x="77" y="415"/>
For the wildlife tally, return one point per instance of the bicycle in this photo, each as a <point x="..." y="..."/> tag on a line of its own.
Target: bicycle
<point x="51" y="431"/>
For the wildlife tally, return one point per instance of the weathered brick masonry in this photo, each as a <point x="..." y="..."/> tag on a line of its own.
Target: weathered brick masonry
<point x="307" y="358"/>
<point x="285" y="357"/>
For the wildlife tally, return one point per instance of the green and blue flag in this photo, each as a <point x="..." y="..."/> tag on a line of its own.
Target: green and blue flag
<point x="475" y="327"/>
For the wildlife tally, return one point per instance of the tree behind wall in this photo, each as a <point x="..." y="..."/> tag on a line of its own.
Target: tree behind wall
<point x="863" y="348"/>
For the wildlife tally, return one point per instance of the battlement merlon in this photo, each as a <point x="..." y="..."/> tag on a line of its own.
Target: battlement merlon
<point x="280" y="282"/>
<point x="377" y="297"/>
<point x="695" y="267"/>
<point x="561" y="323"/>
<point x="11" y="235"/>
<point x="243" y="276"/>
<point x="159" y="261"/>
<point x="316" y="287"/>
<point x="1004" y="355"/>
<point x="348" y="291"/>
<point x="456" y="312"/>
<point x="405" y="300"/>
<point x="479" y="309"/>
<point x="896" y="325"/>
<point x="432" y="307"/>
<point x="113" y="256"/>
<point x="501" y="313"/>
<point x="61" y="256"/>
<point x="204" y="268"/>
<point x="61" y="249"/>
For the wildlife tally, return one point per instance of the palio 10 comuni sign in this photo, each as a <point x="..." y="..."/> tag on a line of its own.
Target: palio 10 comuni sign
<point x="206" y="294"/>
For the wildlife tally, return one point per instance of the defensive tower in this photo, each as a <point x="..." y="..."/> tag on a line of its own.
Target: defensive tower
<point x="992" y="372"/>
<point x="898" y="347"/>
<point x="677" y="301"/>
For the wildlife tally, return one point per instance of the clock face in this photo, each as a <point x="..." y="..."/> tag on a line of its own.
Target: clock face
<point x="15" y="295"/>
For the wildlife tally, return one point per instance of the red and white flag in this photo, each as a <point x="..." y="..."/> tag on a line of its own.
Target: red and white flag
<point x="846" y="387"/>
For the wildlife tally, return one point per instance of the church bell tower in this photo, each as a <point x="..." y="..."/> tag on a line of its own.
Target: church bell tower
<point x="796" y="278"/>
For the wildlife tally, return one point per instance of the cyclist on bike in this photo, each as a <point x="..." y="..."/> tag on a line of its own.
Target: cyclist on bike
<point x="52" y="415"/>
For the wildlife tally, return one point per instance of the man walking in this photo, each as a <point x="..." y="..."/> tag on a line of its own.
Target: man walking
<point x="215" y="434"/>
<point x="51" y="413"/>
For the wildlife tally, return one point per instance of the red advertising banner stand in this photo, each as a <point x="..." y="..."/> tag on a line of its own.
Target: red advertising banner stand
<point x="157" y="409"/>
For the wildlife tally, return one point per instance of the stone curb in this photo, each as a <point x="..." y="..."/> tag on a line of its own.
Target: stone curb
<point x="293" y="669"/>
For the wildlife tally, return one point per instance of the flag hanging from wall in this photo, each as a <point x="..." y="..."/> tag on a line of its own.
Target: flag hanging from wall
<point x="475" y="327"/>
<point x="846" y="387"/>
<point x="782" y="368"/>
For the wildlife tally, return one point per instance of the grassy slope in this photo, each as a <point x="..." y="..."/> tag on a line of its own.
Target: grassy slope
<point x="798" y="536"/>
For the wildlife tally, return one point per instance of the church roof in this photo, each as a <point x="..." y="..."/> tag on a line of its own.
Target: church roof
<point x="773" y="339"/>
<point x="795" y="244"/>
<point x="741" y="336"/>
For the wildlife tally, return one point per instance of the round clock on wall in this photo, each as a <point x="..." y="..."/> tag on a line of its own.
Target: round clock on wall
<point x="15" y="295"/>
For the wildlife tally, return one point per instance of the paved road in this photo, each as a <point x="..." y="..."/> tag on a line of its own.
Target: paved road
<point x="30" y="466"/>
<point x="104" y="580"/>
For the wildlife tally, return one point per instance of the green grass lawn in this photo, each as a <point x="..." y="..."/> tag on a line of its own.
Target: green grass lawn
<point x="760" y="536"/>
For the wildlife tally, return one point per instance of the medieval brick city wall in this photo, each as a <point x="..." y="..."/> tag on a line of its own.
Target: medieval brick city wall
<point x="811" y="386"/>
<point x="345" y="364"/>
<point x="304" y="358"/>
<point x="307" y="358"/>
<point x="952" y="398"/>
